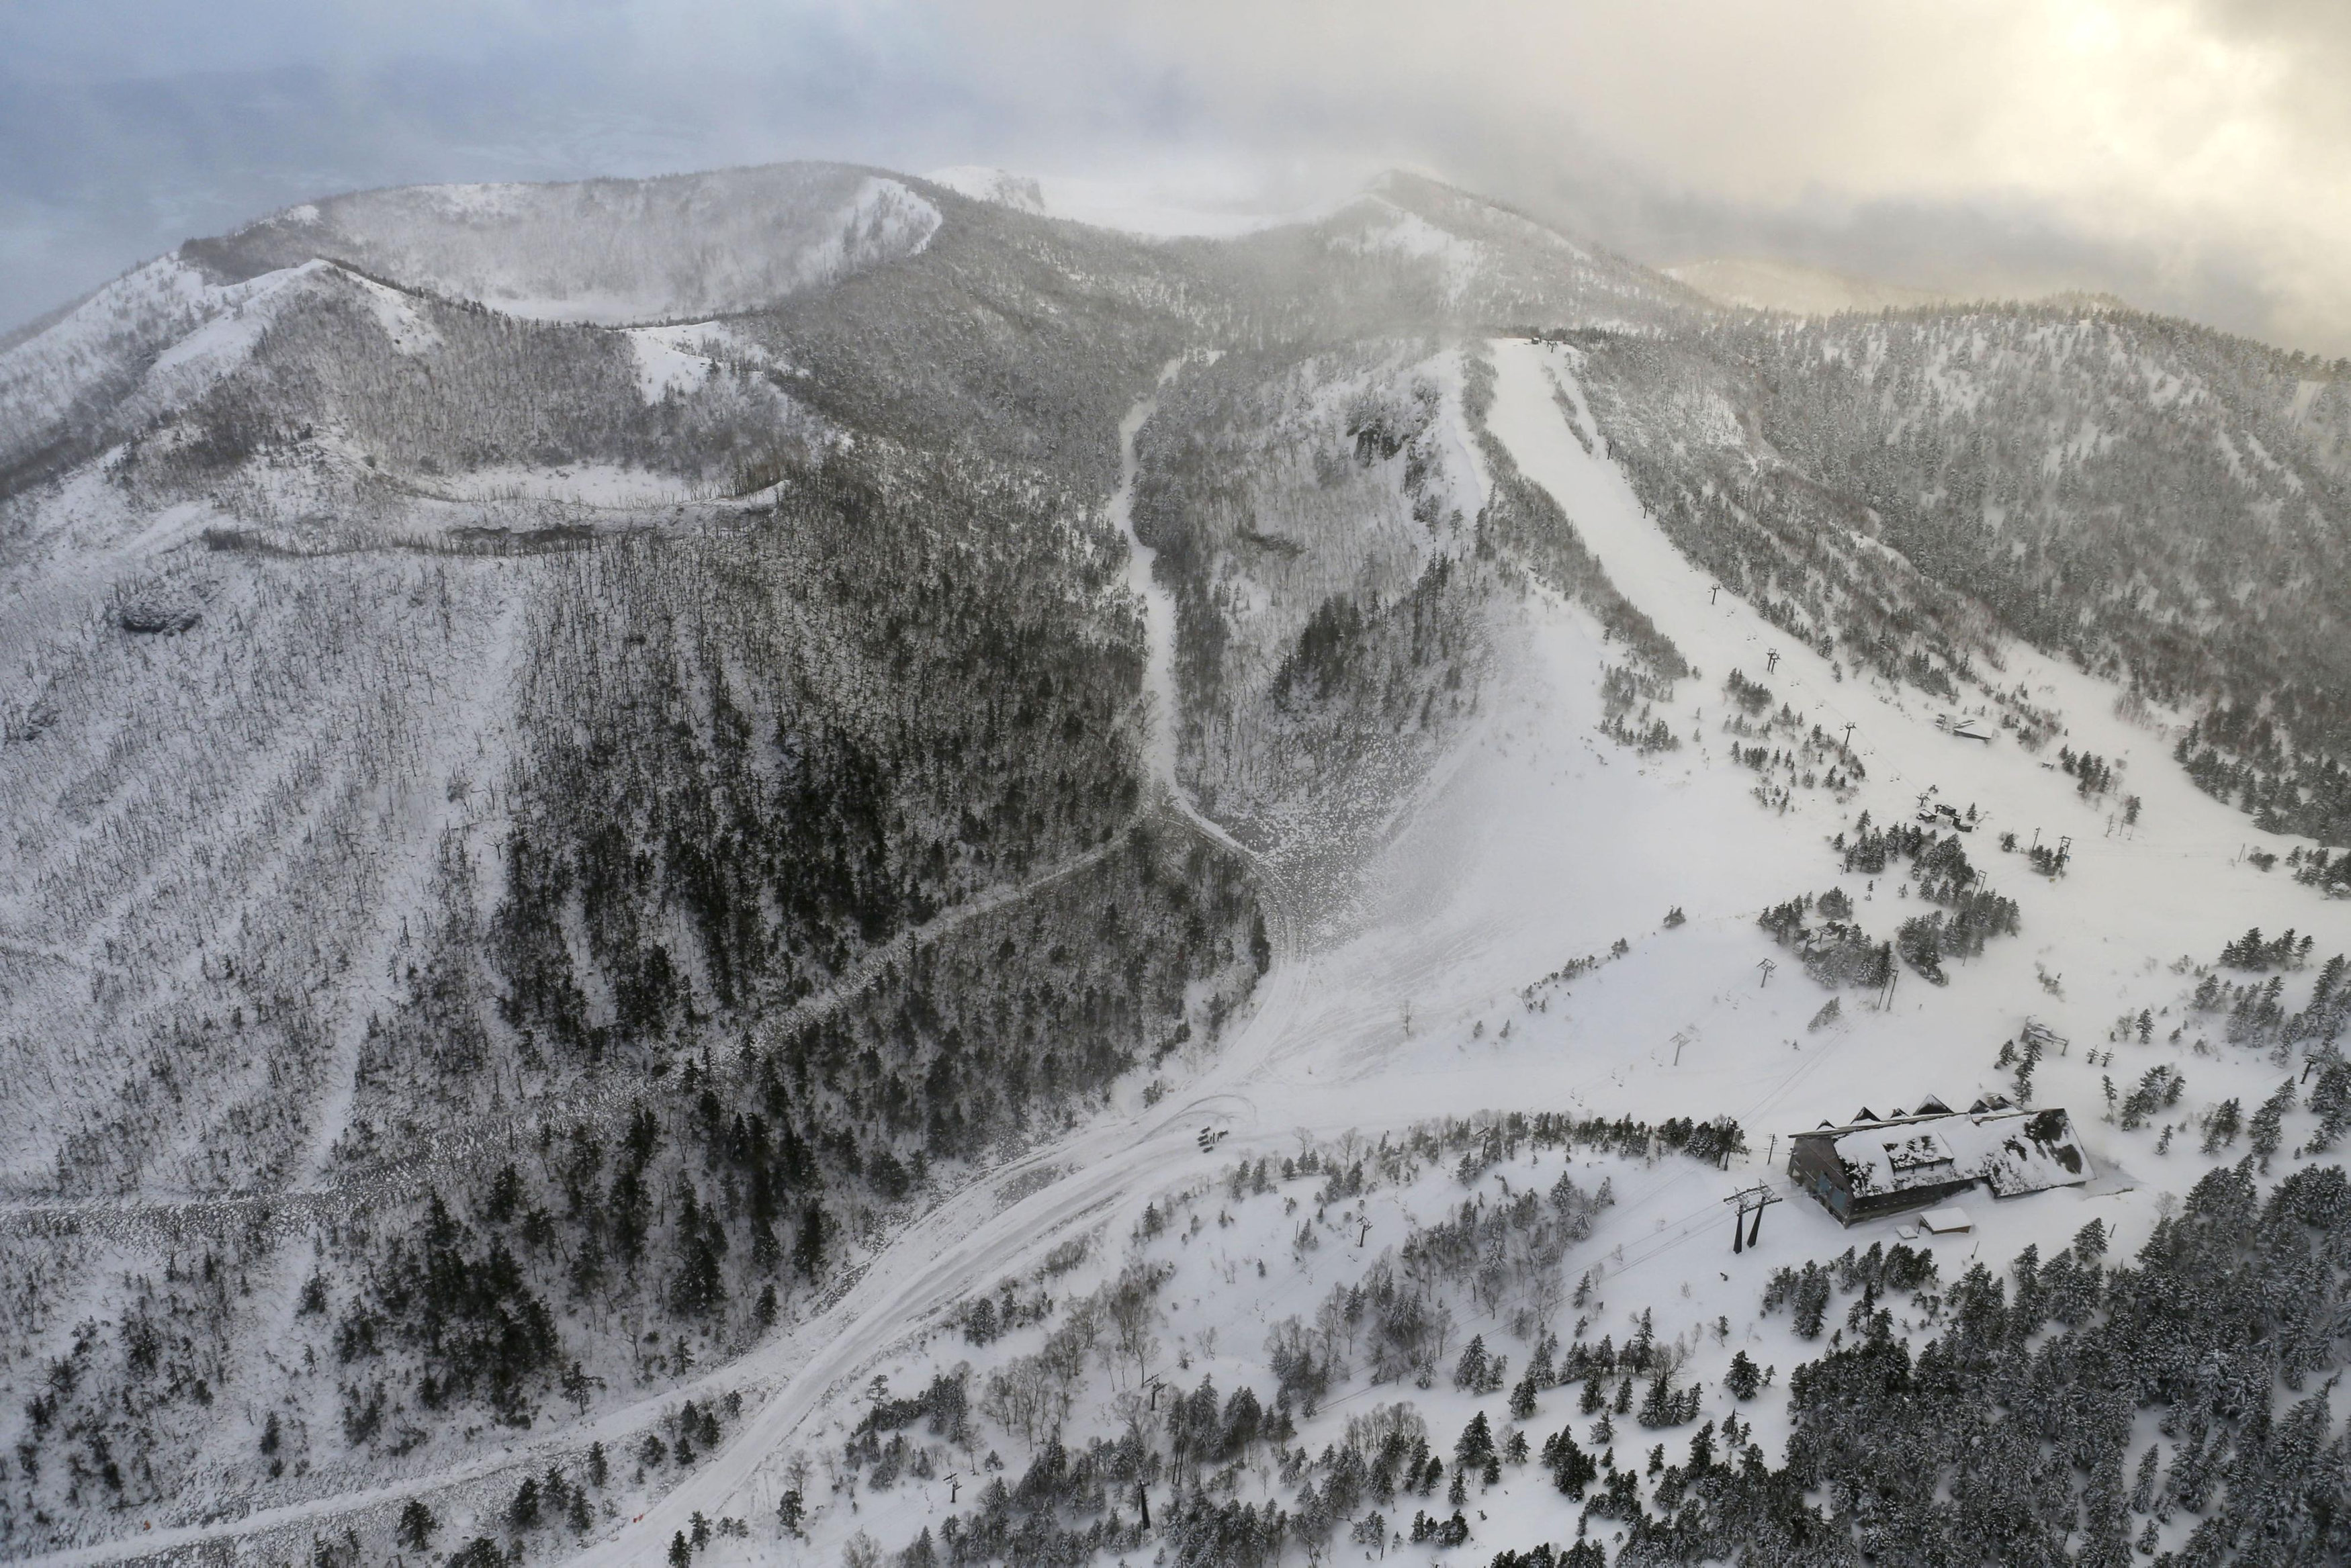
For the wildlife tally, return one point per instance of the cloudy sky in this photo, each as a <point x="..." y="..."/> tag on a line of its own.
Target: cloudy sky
<point x="2189" y="155"/>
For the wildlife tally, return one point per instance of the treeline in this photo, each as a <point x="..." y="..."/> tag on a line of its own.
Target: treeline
<point x="716" y="1006"/>
<point x="729" y="1192"/>
<point x="2015" y="1431"/>
<point x="2237" y="754"/>
<point x="1836" y="952"/>
<point x="1973" y="914"/>
<point x="2316" y="869"/>
<point x="1184" y="1459"/>
<point x="749" y="785"/>
<point x="424" y="389"/>
<point x="2257" y="1012"/>
<point x="1801" y="552"/>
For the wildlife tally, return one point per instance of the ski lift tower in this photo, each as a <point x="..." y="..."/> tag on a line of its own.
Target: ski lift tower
<point x="2048" y="1040"/>
<point x="1754" y="1199"/>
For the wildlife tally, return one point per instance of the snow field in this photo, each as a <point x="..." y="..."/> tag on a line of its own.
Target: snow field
<point x="1538" y="843"/>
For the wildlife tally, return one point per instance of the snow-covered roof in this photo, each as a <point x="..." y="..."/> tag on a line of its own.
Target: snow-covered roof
<point x="2014" y="1151"/>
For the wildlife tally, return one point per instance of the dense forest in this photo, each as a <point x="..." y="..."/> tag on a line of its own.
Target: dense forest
<point x="1316" y="522"/>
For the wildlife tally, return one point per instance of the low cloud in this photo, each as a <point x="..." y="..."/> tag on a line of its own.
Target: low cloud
<point x="2191" y="155"/>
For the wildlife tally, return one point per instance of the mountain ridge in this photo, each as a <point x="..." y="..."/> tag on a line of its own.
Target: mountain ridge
<point x="686" y="798"/>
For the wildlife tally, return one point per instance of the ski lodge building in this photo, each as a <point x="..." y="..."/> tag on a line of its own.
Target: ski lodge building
<point x="1884" y="1165"/>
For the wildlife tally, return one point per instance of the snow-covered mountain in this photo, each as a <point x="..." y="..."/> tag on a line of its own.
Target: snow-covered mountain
<point x="607" y="251"/>
<point x="704" y="858"/>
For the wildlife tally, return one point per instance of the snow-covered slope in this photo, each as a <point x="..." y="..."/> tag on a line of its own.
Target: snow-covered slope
<point x="150" y="342"/>
<point x="1149" y="209"/>
<point x="1506" y="950"/>
<point x="624" y="797"/>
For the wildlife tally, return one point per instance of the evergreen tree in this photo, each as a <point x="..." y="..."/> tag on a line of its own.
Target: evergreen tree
<point x="1476" y="1444"/>
<point x="417" y="1526"/>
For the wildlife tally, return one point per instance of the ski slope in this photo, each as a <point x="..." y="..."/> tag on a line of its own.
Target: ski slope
<point x="1537" y="842"/>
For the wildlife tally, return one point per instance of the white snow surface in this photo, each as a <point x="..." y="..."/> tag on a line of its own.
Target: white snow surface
<point x="1021" y="193"/>
<point x="159" y="335"/>
<point x="397" y="314"/>
<point x="1158" y="609"/>
<point x="1397" y="232"/>
<point x="1535" y="842"/>
<point x="605" y="484"/>
<point x="664" y="366"/>
<point x="1423" y="994"/>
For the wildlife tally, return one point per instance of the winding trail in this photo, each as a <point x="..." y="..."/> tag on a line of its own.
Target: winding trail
<point x="992" y="1225"/>
<point x="986" y="1229"/>
<point x="600" y="1103"/>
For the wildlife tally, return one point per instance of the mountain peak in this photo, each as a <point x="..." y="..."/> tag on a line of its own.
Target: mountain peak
<point x="674" y="247"/>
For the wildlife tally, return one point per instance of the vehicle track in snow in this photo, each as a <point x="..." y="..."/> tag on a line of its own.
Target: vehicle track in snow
<point x="933" y="1265"/>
